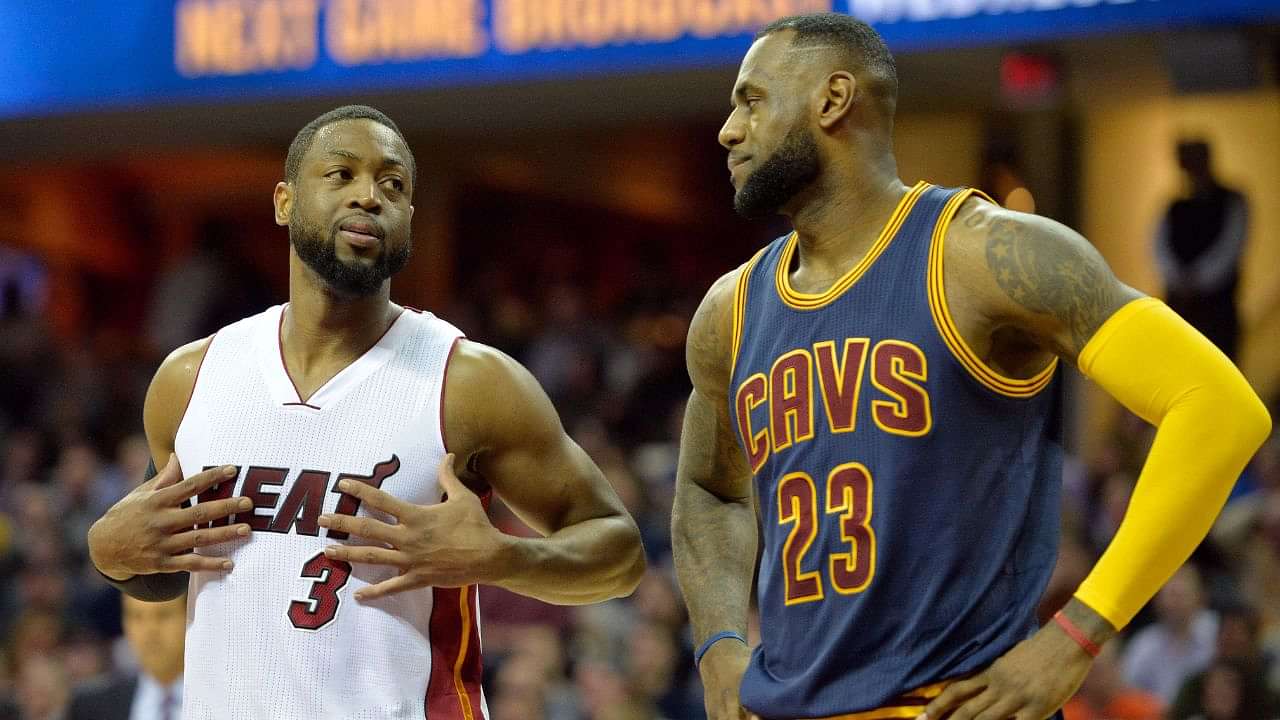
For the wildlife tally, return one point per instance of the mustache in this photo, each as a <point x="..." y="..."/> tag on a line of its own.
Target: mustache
<point x="361" y="223"/>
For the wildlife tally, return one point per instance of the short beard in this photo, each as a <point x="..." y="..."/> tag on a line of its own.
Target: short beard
<point x="349" y="279"/>
<point x="790" y="169"/>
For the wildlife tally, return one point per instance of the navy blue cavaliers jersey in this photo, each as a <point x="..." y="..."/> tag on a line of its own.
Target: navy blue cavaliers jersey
<point x="908" y="492"/>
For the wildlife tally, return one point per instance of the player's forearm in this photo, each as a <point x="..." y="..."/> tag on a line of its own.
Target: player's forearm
<point x="714" y="544"/>
<point x="156" y="587"/>
<point x="1094" y="626"/>
<point x="587" y="562"/>
<point x="1210" y="424"/>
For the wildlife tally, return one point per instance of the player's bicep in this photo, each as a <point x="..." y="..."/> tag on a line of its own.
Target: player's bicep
<point x="511" y="434"/>
<point x="550" y="485"/>
<point x="709" y="455"/>
<point x="1052" y="283"/>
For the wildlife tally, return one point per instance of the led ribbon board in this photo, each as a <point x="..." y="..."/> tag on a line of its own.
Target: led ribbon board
<point x="86" y="55"/>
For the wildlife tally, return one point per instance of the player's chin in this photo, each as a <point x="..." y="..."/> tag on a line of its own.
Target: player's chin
<point x="359" y="256"/>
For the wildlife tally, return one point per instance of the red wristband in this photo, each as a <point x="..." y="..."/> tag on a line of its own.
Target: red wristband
<point x="1074" y="632"/>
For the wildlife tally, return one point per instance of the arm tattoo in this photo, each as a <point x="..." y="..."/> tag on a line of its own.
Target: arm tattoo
<point x="708" y="343"/>
<point x="707" y="352"/>
<point x="1050" y="276"/>
<point x="713" y="528"/>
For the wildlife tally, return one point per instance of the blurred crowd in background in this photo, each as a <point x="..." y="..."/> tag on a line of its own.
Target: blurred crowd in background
<point x="71" y="445"/>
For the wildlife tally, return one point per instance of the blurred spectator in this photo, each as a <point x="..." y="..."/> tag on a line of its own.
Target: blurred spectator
<point x="193" y="298"/>
<point x="19" y="464"/>
<point x="1240" y="669"/>
<point x="132" y="457"/>
<point x="1179" y="644"/>
<point x="24" y="284"/>
<point x="42" y="688"/>
<point x="8" y="710"/>
<point x="1198" y="248"/>
<point x="566" y="356"/>
<point x="1113" y="501"/>
<point x="25" y="352"/>
<point x="605" y="694"/>
<point x="520" y="691"/>
<point x="657" y="599"/>
<point x="1004" y="181"/>
<point x="1105" y="696"/>
<point x="81" y="493"/>
<point x="36" y="633"/>
<point x="156" y="633"/>
<point x="542" y="645"/>
<point x="1239" y="637"/>
<point x="84" y="656"/>
<point x="1230" y="691"/>
<point x="658" y="672"/>
<point x="1259" y="575"/>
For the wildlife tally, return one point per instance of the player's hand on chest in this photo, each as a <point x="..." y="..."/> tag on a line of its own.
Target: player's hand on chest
<point x="446" y="544"/>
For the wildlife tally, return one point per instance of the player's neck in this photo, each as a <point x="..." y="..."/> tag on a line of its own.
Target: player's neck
<point x="320" y="326"/>
<point x="843" y="217"/>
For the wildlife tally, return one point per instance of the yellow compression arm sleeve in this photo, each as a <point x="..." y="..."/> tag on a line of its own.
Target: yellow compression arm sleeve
<point x="1209" y="423"/>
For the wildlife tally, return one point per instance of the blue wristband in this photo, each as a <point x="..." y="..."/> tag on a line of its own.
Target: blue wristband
<point x="717" y="637"/>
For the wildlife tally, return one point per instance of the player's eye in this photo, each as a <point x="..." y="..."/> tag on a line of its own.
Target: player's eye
<point x="339" y="174"/>
<point x="396" y="183"/>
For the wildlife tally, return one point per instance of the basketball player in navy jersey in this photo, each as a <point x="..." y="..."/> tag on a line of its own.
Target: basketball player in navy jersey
<point x="879" y="393"/>
<point x="342" y="372"/>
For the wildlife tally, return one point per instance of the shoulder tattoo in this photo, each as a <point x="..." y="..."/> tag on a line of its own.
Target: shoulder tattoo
<point x="1050" y="275"/>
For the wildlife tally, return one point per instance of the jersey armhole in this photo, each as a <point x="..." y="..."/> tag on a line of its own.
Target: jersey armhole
<point x="444" y="380"/>
<point x="191" y="395"/>
<point x="740" y="309"/>
<point x="955" y="342"/>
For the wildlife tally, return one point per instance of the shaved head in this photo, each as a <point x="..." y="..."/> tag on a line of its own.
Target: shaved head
<point x="828" y="42"/>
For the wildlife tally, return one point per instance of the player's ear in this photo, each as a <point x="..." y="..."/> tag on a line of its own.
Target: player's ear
<point x="837" y="98"/>
<point x="283" y="199"/>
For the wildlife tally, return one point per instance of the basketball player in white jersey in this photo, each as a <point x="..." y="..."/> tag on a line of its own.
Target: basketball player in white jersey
<point x="328" y="446"/>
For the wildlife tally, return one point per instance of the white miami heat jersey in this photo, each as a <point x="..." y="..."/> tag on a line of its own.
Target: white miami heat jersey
<point x="282" y="636"/>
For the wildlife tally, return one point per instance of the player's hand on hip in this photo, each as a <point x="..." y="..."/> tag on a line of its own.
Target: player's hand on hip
<point x="1030" y="682"/>
<point x="448" y="544"/>
<point x="722" y="669"/>
<point x="148" y="531"/>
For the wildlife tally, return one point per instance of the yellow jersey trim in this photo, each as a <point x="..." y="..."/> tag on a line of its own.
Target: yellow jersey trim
<point x="465" y="606"/>
<point x="812" y="301"/>
<point x="994" y="381"/>
<point x="740" y="308"/>
<point x="885" y="713"/>
<point x="892" y="712"/>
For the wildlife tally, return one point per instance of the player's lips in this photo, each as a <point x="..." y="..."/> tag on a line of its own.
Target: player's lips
<point x="361" y="231"/>
<point x="735" y="162"/>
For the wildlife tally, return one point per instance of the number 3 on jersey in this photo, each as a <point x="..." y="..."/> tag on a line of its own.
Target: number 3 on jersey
<point x="319" y="610"/>
<point x="849" y="492"/>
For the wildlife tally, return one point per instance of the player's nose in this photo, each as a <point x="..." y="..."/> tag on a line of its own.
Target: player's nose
<point x="366" y="196"/>
<point x="732" y="132"/>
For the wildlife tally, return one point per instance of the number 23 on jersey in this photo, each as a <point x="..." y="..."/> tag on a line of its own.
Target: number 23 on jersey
<point x="849" y="498"/>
